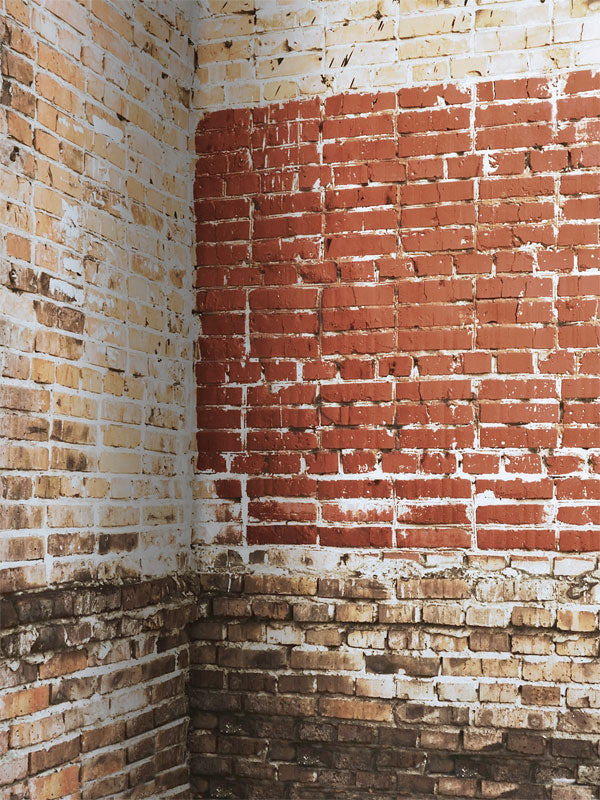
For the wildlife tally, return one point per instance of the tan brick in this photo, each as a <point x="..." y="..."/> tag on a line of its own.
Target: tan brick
<point x="13" y="456"/>
<point x="462" y="666"/>
<point x="588" y="697"/>
<point x="376" y="687"/>
<point x="497" y="788"/>
<point x="356" y="709"/>
<point x="276" y="584"/>
<point x="586" y="672"/>
<point x="366" y="639"/>
<point x="547" y="670"/>
<point x="457" y="691"/>
<point x="447" y="588"/>
<point x="457" y="787"/>
<point x="325" y="659"/>
<point x="572" y="793"/>
<point x="480" y="616"/>
<point x="531" y="645"/>
<point x="402" y="613"/>
<point x="532" y="617"/>
<point x="355" y="612"/>
<point x="21" y="548"/>
<point x="581" y="646"/>
<point x="498" y="717"/>
<point x="480" y="740"/>
<point x="443" y="614"/>
<point x="24" y="399"/>
<point x="576" y="620"/>
<point x="498" y="693"/>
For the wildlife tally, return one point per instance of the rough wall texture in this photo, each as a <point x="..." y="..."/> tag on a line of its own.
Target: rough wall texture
<point x="95" y="339"/>
<point x="471" y="681"/>
<point x="256" y="51"/>
<point x="398" y="374"/>
<point x="397" y="369"/>
<point x="94" y="700"/>
<point x="399" y="333"/>
<point x="95" y="380"/>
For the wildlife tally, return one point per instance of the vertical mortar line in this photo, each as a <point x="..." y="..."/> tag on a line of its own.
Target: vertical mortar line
<point x="322" y="195"/>
<point x="556" y="85"/>
<point x="191" y="423"/>
<point x="247" y="342"/>
<point x="475" y="381"/>
<point x="397" y="206"/>
<point x="44" y="532"/>
<point x="45" y="529"/>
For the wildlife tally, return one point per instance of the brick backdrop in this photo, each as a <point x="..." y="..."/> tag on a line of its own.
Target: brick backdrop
<point x="95" y="378"/>
<point x="95" y="335"/>
<point x="398" y="297"/>
<point x="397" y="313"/>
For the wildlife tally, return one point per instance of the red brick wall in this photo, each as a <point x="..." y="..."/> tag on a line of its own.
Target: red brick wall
<point x="399" y="298"/>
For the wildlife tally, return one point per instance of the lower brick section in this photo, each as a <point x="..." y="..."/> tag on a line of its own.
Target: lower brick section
<point x="93" y="692"/>
<point x="478" y="680"/>
<point x="474" y="679"/>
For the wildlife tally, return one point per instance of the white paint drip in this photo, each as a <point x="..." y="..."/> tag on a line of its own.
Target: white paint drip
<point x="104" y="128"/>
<point x="74" y="293"/>
<point x="69" y="224"/>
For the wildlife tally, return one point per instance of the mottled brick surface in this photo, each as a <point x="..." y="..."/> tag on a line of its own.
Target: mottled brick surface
<point x="95" y="325"/>
<point x="408" y="692"/>
<point x="94" y="699"/>
<point x="398" y="304"/>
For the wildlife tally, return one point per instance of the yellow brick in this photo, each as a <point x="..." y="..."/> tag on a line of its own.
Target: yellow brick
<point x="576" y="620"/>
<point x="434" y="24"/>
<point x="120" y="436"/>
<point x="431" y="47"/>
<point x="438" y="71"/>
<point x="367" y="30"/>
<point x="290" y="64"/>
<point x="272" y="90"/>
<point x="120" y="463"/>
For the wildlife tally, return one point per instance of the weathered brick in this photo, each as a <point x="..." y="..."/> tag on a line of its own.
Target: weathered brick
<point x="355" y="709"/>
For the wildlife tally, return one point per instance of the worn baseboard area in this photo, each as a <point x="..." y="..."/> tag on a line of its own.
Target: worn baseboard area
<point x="468" y="679"/>
<point x="473" y="681"/>
<point x="93" y="701"/>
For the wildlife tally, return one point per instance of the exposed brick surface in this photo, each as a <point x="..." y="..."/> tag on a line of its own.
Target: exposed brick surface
<point x="253" y="52"/>
<point x="397" y="372"/>
<point x="411" y="706"/>
<point x="95" y="290"/>
<point x="397" y="295"/>
<point x="93" y="691"/>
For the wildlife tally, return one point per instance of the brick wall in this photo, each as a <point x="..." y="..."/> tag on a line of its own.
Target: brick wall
<point x="478" y="680"/>
<point x="396" y="372"/>
<point x="95" y="336"/>
<point x="397" y="466"/>
<point x="95" y="379"/>
<point x="399" y="297"/>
